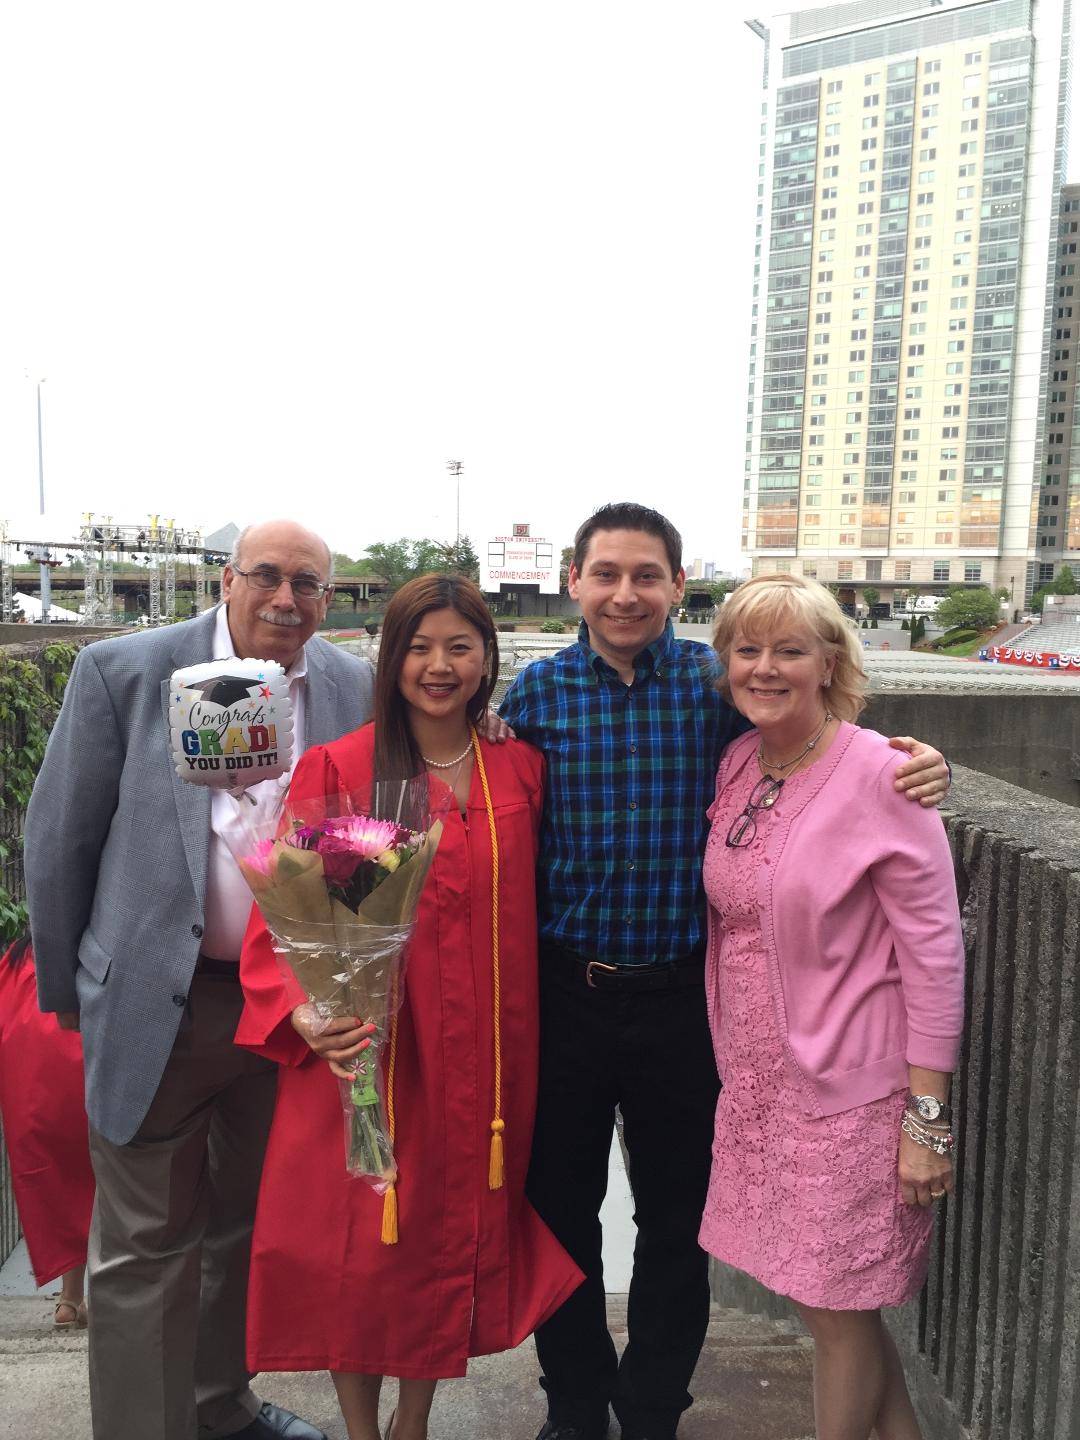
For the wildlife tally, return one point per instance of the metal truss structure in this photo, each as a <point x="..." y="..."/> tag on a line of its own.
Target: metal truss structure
<point x="7" y="578"/>
<point x="159" y="543"/>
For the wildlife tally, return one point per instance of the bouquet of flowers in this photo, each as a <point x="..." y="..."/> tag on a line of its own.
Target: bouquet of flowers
<point x="338" y="881"/>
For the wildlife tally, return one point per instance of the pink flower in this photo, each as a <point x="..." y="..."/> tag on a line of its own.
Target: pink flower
<point x="363" y="837"/>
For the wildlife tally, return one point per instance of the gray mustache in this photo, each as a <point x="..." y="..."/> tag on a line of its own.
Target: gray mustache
<point x="275" y="617"/>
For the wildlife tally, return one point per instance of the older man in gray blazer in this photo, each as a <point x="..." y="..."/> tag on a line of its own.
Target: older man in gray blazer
<point x="137" y="913"/>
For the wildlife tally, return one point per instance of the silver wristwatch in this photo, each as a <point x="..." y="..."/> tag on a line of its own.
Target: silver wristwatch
<point x="930" y="1109"/>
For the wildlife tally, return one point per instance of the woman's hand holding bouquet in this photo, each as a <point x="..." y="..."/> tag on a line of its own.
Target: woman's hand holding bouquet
<point x="340" y="1042"/>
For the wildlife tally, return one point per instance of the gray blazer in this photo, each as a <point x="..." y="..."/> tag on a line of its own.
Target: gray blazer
<point x="117" y="848"/>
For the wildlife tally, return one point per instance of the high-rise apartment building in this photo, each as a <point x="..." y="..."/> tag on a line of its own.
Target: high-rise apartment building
<point x="1059" y="491"/>
<point x="907" y="272"/>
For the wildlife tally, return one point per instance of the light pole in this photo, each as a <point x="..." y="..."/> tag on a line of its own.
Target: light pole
<point x="40" y="460"/>
<point x="455" y="468"/>
<point x="44" y="557"/>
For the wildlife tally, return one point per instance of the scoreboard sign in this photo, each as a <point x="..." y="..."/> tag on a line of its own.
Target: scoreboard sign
<point x="518" y="559"/>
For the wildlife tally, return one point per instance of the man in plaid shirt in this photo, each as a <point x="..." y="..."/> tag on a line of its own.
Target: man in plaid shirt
<point x="632" y="728"/>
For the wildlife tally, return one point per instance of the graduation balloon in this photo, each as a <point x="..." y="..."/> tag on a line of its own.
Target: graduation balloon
<point x="230" y="723"/>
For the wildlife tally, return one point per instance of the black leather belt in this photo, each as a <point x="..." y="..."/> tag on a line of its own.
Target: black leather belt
<point x="217" y="969"/>
<point x="600" y="975"/>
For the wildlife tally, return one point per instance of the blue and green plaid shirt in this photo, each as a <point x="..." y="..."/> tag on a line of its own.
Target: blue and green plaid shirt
<point x="630" y="773"/>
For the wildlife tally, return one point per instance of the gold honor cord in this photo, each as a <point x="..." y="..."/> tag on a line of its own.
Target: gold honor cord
<point x="498" y="1124"/>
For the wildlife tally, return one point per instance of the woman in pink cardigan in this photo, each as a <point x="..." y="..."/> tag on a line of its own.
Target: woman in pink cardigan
<point x="835" y="982"/>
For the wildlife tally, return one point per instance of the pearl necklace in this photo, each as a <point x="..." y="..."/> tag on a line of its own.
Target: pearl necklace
<point x="447" y="764"/>
<point x="765" y="764"/>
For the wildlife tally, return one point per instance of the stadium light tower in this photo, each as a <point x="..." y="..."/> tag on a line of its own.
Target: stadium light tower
<point x="455" y="468"/>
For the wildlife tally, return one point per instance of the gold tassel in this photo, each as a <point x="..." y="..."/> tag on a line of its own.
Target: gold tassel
<point x="389" y="1215"/>
<point x="495" y="1159"/>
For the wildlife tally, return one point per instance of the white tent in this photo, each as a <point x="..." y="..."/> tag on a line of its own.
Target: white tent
<point x="30" y="606"/>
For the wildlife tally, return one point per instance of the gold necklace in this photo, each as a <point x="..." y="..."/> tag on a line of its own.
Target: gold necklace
<point x="447" y="764"/>
<point x="766" y="764"/>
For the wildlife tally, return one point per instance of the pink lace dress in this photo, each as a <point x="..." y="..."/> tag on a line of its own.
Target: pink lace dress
<point x="811" y="1207"/>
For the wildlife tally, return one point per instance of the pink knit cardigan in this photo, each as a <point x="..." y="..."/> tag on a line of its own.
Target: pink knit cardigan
<point x="859" y="922"/>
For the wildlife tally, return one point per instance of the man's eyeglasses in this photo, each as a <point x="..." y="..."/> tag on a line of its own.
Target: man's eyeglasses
<point x="264" y="577"/>
<point x="763" y="797"/>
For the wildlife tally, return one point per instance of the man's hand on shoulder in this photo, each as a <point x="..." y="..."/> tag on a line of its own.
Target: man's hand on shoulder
<point x="494" y="728"/>
<point x="925" y="776"/>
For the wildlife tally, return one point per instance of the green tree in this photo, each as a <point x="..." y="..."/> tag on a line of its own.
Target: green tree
<point x="400" y="560"/>
<point x="871" y="596"/>
<point x="1063" y="583"/>
<point x="565" y="558"/>
<point x="461" y="558"/>
<point x="974" y="609"/>
<point x="718" y="590"/>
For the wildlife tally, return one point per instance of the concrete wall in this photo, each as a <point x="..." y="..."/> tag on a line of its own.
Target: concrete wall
<point x="992" y="1347"/>
<point x="1028" y="740"/>
<point x="37" y="636"/>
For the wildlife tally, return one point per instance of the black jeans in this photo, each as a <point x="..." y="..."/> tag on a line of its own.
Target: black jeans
<point x="649" y="1052"/>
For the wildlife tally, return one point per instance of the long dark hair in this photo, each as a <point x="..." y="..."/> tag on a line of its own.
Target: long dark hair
<point x="396" y="752"/>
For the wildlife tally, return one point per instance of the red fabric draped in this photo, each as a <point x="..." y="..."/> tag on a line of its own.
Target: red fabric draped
<point x="44" y="1115"/>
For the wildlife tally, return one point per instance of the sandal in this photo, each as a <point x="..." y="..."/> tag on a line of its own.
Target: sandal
<point x="76" y="1315"/>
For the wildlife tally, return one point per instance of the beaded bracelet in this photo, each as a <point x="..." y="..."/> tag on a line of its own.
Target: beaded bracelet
<point x="941" y="1144"/>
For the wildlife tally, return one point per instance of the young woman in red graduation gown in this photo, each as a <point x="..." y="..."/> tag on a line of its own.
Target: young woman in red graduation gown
<point x="474" y="1270"/>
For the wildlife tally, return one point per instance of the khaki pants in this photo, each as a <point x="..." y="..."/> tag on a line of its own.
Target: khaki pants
<point x="170" y="1238"/>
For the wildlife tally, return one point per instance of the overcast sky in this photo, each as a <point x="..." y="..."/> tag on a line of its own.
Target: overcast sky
<point x="290" y="259"/>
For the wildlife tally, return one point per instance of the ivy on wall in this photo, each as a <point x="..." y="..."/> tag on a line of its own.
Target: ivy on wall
<point x="30" y="696"/>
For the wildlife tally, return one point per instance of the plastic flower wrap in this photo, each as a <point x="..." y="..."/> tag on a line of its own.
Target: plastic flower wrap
<point x="338" y="881"/>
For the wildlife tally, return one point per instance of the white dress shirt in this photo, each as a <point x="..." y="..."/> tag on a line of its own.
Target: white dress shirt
<point x="228" y="899"/>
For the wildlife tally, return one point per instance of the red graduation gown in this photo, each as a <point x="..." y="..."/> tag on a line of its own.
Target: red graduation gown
<point x="44" y="1115"/>
<point x="474" y="1270"/>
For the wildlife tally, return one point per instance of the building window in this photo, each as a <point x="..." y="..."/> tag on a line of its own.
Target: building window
<point x="902" y="570"/>
<point x="941" y="570"/>
<point x="845" y="569"/>
<point x="972" y="570"/>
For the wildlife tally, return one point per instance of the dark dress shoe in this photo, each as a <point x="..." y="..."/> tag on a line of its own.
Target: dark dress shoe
<point x="554" y="1430"/>
<point x="273" y="1423"/>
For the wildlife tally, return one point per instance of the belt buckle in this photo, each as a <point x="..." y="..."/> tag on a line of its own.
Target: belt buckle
<point x="598" y="965"/>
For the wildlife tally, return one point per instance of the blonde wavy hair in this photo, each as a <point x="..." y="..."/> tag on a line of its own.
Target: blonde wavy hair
<point x="761" y="606"/>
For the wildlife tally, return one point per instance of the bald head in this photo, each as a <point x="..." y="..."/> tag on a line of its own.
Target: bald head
<point x="284" y="529"/>
<point x="269" y="621"/>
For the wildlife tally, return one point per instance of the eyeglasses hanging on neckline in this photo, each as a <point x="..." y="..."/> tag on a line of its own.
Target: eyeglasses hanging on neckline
<point x="763" y="797"/>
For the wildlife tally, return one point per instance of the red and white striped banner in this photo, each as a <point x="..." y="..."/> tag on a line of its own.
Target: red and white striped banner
<point x="1036" y="659"/>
